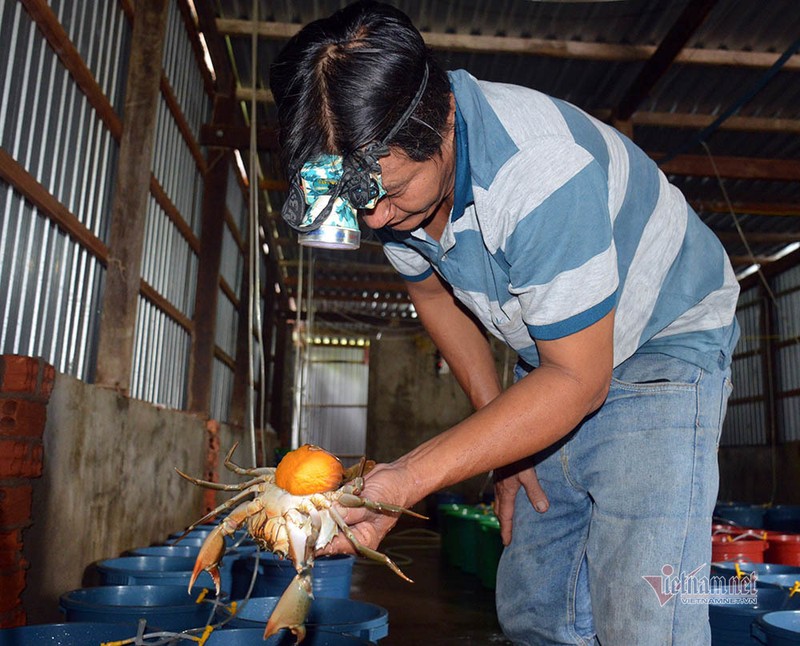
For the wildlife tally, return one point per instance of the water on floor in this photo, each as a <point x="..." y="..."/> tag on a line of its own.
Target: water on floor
<point x="443" y="607"/>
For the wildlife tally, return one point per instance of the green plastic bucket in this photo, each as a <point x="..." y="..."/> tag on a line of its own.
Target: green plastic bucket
<point x="490" y="548"/>
<point x="462" y="537"/>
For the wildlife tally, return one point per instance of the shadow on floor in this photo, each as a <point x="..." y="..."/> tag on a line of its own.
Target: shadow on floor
<point x="444" y="606"/>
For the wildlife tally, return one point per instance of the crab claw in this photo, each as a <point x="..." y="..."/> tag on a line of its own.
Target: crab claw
<point x="292" y="608"/>
<point x="209" y="558"/>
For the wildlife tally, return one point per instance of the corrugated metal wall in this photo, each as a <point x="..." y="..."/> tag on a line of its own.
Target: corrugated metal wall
<point x="52" y="274"/>
<point x="768" y="350"/>
<point x="334" y="408"/>
<point x="48" y="126"/>
<point x="746" y="420"/>
<point x="787" y="294"/>
<point x="169" y="259"/>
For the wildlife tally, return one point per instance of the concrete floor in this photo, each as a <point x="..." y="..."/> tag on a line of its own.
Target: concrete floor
<point x="443" y="607"/>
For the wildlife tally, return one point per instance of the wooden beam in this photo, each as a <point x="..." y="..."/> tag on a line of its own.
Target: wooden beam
<point x="152" y="295"/>
<point x="58" y="39"/>
<point x="241" y="378"/>
<point x="776" y="170"/>
<point x="692" y="16"/>
<point x="759" y="237"/>
<point x="276" y="416"/>
<point x="351" y="285"/>
<point x="201" y="364"/>
<point x="229" y="136"/>
<point x="191" y="22"/>
<point x="183" y="126"/>
<point x="385" y="297"/>
<point x="246" y="94"/>
<point x="478" y="44"/>
<point x="769" y="209"/>
<point x="129" y="205"/>
<point x="700" y="121"/>
<point x="217" y="50"/>
<point x="178" y="221"/>
<point x="15" y="175"/>
<point x="345" y="266"/>
<point x="273" y="185"/>
<point x="738" y="261"/>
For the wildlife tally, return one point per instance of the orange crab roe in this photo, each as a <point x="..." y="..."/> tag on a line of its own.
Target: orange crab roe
<point x="308" y="470"/>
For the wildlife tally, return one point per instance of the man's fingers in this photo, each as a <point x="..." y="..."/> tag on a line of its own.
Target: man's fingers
<point x="505" y="492"/>
<point x="536" y="494"/>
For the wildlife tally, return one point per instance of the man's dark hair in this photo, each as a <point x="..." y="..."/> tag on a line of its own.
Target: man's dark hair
<point x="342" y="82"/>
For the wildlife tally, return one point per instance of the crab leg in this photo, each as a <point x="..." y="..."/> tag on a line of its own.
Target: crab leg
<point x="213" y="547"/>
<point x="351" y="500"/>
<point x="232" y="466"/>
<point x="364" y="550"/>
<point x="217" y="485"/>
<point x="293" y="606"/>
<point x="225" y="505"/>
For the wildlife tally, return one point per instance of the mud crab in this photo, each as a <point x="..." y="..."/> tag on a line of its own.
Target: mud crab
<point x="289" y="511"/>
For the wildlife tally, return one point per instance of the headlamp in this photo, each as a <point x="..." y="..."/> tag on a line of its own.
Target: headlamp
<point x="326" y="194"/>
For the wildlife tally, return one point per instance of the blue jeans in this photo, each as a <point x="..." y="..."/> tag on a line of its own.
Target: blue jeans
<point x="631" y="490"/>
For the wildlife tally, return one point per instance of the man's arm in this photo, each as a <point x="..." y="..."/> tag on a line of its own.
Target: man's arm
<point x="571" y="382"/>
<point x="459" y="339"/>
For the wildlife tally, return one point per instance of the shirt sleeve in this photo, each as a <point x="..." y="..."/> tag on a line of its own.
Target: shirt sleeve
<point x="558" y="239"/>
<point x="409" y="263"/>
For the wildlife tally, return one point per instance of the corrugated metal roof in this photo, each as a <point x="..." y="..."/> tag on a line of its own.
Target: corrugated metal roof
<point x="582" y="67"/>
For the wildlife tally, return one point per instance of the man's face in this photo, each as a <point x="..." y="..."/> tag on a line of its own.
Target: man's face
<point x="415" y="191"/>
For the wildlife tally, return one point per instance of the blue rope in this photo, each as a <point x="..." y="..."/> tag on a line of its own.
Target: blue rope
<point x="736" y="106"/>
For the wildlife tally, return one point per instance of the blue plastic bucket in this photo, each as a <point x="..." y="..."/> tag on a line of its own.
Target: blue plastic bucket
<point x="255" y="637"/>
<point x="783" y="518"/>
<point x="778" y="580"/>
<point x="331" y="575"/>
<point x="744" y="515"/>
<point x="77" y="634"/>
<point x="198" y="535"/>
<point x="159" y="570"/>
<point x="345" y="616"/>
<point x="778" y="628"/>
<point x="731" y="623"/>
<point x="728" y="568"/>
<point x="166" y="550"/>
<point x="163" y="607"/>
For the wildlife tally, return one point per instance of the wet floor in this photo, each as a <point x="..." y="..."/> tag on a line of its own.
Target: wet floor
<point x="443" y="607"/>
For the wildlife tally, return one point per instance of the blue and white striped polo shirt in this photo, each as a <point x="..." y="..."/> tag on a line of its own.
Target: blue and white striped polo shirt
<point x="557" y="219"/>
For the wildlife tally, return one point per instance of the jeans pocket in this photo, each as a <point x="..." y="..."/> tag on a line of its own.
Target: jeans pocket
<point x="656" y="373"/>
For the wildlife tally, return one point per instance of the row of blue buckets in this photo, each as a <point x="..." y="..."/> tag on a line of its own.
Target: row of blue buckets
<point x="150" y="584"/>
<point x="774" y="620"/>
<point x="777" y="518"/>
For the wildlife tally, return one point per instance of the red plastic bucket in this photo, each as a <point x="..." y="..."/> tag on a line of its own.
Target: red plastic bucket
<point x="723" y="548"/>
<point x="783" y="548"/>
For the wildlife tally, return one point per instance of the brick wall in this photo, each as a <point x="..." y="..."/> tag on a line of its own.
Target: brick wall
<point x="25" y="387"/>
